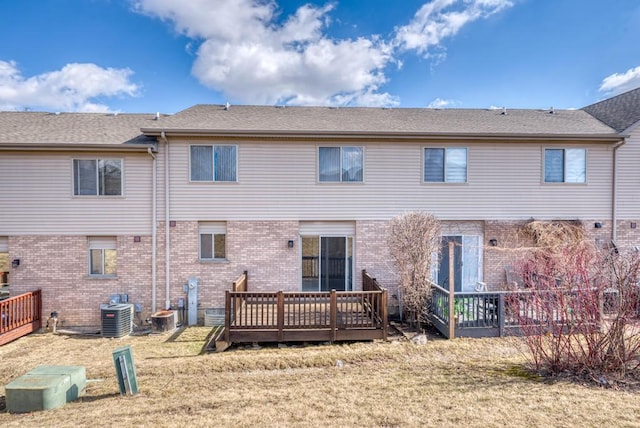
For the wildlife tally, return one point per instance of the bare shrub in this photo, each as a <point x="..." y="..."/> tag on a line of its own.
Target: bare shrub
<point x="580" y="312"/>
<point x="414" y="238"/>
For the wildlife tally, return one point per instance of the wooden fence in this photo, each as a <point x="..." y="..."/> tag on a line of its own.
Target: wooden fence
<point x="20" y="315"/>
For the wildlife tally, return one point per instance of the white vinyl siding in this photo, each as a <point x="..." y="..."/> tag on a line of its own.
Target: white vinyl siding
<point x="212" y="240"/>
<point x="37" y="197"/>
<point x="445" y="165"/>
<point x="97" y="177"/>
<point x="279" y="182"/>
<point x="340" y="164"/>
<point x="214" y="163"/>
<point x="4" y="244"/>
<point x="565" y="165"/>
<point x="102" y="256"/>
<point x="328" y="228"/>
<point x="628" y="192"/>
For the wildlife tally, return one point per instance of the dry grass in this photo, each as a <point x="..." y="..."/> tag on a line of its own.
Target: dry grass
<point x="463" y="382"/>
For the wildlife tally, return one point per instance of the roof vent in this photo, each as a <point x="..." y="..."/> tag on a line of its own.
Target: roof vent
<point x="504" y="110"/>
<point x="227" y="106"/>
<point x="551" y="110"/>
<point x="157" y="115"/>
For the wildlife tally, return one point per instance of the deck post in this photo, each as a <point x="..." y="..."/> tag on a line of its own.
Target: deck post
<point x="333" y="314"/>
<point x="280" y="313"/>
<point x="501" y="319"/>
<point x="227" y="315"/>
<point x="384" y="314"/>
<point x="452" y="291"/>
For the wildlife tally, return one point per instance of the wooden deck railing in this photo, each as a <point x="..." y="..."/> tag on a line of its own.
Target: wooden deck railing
<point x="306" y="316"/>
<point x="20" y="315"/>
<point x="499" y="313"/>
<point x="240" y="284"/>
<point x="475" y="314"/>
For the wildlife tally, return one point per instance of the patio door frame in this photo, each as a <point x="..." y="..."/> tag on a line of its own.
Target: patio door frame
<point x="312" y="266"/>
<point x="465" y="281"/>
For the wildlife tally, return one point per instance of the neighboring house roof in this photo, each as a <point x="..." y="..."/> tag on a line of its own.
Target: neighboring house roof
<point x="619" y="112"/>
<point x="417" y="122"/>
<point x="26" y="129"/>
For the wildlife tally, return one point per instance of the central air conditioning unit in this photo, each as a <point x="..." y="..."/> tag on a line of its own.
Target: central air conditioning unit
<point x="117" y="320"/>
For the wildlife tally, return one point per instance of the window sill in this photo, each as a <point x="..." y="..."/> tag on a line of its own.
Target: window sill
<point x="445" y="183"/>
<point x="97" y="197"/>
<point x="101" y="277"/>
<point x="347" y="183"/>
<point x="213" y="261"/>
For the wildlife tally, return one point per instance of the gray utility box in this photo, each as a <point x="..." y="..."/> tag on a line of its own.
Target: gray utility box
<point x="117" y="320"/>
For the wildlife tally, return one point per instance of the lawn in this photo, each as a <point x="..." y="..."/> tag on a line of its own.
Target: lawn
<point x="464" y="382"/>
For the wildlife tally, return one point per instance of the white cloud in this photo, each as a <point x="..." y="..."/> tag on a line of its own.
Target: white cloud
<point x="72" y="88"/>
<point x="442" y="103"/>
<point x="251" y="58"/>
<point x="251" y="55"/>
<point x="441" y="19"/>
<point x="618" y="83"/>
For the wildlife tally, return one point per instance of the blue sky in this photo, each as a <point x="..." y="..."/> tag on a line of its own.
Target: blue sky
<point x="166" y="55"/>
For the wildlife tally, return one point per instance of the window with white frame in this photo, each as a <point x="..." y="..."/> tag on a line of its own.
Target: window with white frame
<point x="97" y="177"/>
<point x="214" y="163"/>
<point x="445" y="165"/>
<point x="212" y="240"/>
<point x="565" y="165"/>
<point x="340" y="164"/>
<point x="103" y="258"/>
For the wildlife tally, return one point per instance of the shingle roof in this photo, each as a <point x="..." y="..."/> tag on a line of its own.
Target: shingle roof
<point x="353" y="120"/>
<point x="73" y="128"/>
<point x="619" y="112"/>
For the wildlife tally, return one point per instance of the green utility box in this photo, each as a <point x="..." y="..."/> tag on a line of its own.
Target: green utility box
<point x="125" y="370"/>
<point x="44" y="388"/>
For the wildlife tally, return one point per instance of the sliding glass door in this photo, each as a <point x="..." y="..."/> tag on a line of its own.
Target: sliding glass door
<point x="327" y="263"/>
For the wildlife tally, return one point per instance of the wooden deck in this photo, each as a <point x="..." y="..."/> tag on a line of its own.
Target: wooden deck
<point x="304" y="316"/>
<point x="20" y="315"/>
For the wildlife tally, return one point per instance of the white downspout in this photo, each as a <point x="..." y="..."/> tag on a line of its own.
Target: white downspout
<point x="614" y="193"/>
<point x="154" y="229"/>
<point x="167" y="212"/>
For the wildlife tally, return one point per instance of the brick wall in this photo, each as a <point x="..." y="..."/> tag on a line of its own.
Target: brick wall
<point x="59" y="266"/>
<point x="512" y="245"/>
<point x="259" y="247"/>
<point x="372" y="254"/>
<point x="628" y="236"/>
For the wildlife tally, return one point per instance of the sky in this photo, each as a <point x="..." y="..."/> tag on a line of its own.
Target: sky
<point x="150" y="56"/>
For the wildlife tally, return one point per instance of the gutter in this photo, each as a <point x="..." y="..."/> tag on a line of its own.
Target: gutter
<point x="154" y="229"/>
<point x="382" y="135"/>
<point x="141" y="148"/>
<point x="167" y="212"/>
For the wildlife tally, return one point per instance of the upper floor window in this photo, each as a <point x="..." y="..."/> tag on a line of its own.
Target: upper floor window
<point x="97" y="177"/>
<point x="445" y="165"/>
<point x="565" y="165"/>
<point x="212" y="240"/>
<point x="102" y="256"/>
<point x="214" y="163"/>
<point x="340" y="164"/>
